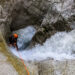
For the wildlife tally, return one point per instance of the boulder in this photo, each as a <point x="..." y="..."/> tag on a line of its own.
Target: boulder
<point x="41" y="36"/>
<point x="47" y="31"/>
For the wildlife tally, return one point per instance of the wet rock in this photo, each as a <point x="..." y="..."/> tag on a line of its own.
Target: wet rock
<point x="53" y="67"/>
<point x="21" y="13"/>
<point x="5" y="29"/>
<point x="41" y="12"/>
<point x="59" y="10"/>
<point x="25" y="13"/>
<point x="41" y="35"/>
<point x="5" y="67"/>
<point x="47" y="31"/>
<point x="9" y="64"/>
<point x="61" y="25"/>
<point x="50" y="14"/>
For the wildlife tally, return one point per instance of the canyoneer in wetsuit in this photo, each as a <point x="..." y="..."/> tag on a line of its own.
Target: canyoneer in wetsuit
<point x="13" y="41"/>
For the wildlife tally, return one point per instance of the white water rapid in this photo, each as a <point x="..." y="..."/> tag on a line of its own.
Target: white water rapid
<point x="60" y="46"/>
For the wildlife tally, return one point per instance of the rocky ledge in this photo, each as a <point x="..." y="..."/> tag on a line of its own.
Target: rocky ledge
<point x="9" y="64"/>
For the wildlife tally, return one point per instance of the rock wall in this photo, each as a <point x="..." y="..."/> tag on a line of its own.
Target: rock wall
<point x="5" y="19"/>
<point x="21" y="13"/>
<point x="48" y="15"/>
<point x="12" y="65"/>
<point x="42" y="12"/>
<point x="46" y="31"/>
<point x="51" y="67"/>
<point x="16" y="14"/>
<point x="59" y="10"/>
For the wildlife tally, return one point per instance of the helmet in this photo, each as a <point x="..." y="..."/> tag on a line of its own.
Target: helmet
<point x="15" y="35"/>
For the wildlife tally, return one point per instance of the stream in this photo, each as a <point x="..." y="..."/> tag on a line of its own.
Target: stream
<point x="59" y="47"/>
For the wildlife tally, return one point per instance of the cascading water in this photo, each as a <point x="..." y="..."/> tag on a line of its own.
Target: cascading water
<point x="59" y="46"/>
<point x="25" y="36"/>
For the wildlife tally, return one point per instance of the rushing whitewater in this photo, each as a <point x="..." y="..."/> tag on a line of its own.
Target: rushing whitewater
<point x="59" y="46"/>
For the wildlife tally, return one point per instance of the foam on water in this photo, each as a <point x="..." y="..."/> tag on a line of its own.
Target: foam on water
<point x="60" y="46"/>
<point x="25" y="36"/>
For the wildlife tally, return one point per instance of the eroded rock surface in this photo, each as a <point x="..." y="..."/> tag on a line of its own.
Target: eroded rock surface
<point x="5" y="67"/>
<point x="52" y="67"/>
<point x="16" y="14"/>
<point x="47" y="31"/>
<point x="57" y="14"/>
<point x="21" y="13"/>
<point x="9" y="64"/>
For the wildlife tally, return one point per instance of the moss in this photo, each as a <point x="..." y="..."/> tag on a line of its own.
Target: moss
<point x="12" y="59"/>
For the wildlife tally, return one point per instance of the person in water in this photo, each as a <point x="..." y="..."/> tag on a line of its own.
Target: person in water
<point x="13" y="40"/>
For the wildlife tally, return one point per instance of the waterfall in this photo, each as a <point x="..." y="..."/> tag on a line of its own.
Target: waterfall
<point x="25" y="36"/>
<point x="59" y="47"/>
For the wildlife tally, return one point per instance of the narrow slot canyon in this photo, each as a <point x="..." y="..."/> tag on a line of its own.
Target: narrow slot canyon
<point x="46" y="37"/>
